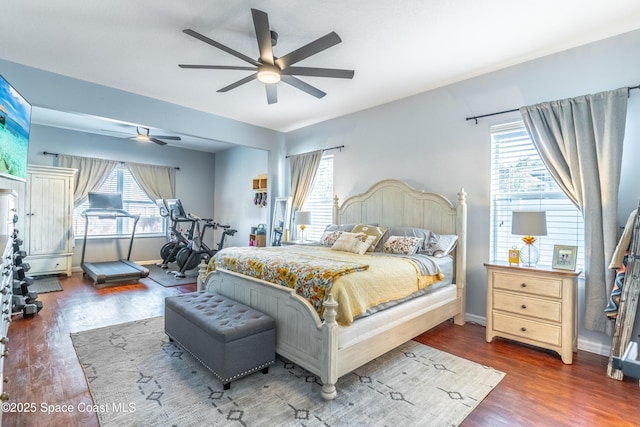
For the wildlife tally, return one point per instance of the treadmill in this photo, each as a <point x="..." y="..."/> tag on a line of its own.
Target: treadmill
<point x="109" y="206"/>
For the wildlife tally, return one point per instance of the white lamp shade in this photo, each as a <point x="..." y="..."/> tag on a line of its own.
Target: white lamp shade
<point x="303" y="218"/>
<point x="529" y="223"/>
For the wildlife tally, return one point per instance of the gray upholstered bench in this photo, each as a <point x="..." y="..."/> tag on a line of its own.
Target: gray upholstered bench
<point x="229" y="338"/>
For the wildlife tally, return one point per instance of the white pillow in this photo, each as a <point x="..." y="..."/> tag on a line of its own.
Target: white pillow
<point x="404" y="245"/>
<point x="356" y="243"/>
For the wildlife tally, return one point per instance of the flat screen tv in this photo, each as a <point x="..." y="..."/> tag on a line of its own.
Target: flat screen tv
<point x="15" y="125"/>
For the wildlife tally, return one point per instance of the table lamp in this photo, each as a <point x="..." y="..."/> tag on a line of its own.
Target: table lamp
<point x="303" y="218"/>
<point x="529" y="224"/>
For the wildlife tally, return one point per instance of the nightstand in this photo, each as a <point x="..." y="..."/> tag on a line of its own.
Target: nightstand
<point x="536" y="306"/>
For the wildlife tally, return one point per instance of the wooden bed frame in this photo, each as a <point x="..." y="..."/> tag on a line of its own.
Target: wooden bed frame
<point x="324" y="347"/>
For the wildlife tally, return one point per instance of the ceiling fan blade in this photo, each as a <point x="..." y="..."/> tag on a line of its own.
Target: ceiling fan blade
<point x="157" y="141"/>
<point x="305" y="87"/>
<point x="324" y="42"/>
<point x="238" y="83"/>
<point x="170" y="137"/>
<point x="221" y="47"/>
<point x="217" y="67"/>
<point x="272" y="93"/>
<point x="263" y="35"/>
<point x="319" y="72"/>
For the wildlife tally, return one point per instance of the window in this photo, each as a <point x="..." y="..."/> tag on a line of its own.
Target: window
<point x="320" y="200"/>
<point x="134" y="200"/>
<point x="520" y="181"/>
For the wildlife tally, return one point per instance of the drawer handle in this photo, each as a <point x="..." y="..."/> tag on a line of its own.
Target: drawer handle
<point x="523" y="329"/>
<point x="4" y="396"/>
<point x="524" y="307"/>
<point x="523" y="285"/>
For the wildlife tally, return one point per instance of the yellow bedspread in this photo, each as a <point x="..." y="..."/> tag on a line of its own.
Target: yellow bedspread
<point x="388" y="278"/>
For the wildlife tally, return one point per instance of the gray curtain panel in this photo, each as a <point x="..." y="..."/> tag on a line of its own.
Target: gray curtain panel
<point x="159" y="182"/>
<point x="303" y="171"/>
<point x="580" y="141"/>
<point x="91" y="173"/>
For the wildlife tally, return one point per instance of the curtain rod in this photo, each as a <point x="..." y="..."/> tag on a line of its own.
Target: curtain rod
<point x="339" y="147"/>
<point x="514" y="110"/>
<point x="46" y="153"/>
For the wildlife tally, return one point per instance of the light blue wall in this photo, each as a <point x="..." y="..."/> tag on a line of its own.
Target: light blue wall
<point x="234" y="173"/>
<point x="425" y="140"/>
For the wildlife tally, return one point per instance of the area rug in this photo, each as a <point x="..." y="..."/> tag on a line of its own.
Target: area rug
<point x="45" y="284"/>
<point x="165" y="278"/>
<point x="140" y="378"/>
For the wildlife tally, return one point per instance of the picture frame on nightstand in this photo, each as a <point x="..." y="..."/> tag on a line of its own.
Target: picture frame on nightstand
<point x="564" y="257"/>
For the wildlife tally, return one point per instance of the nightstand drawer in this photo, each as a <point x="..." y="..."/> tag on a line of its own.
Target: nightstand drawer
<point x="528" y="284"/>
<point x="528" y="306"/>
<point x="529" y="329"/>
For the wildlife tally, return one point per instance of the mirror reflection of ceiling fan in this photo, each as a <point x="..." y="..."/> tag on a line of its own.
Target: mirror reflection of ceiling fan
<point x="142" y="134"/>
<point x="269" y="69"/>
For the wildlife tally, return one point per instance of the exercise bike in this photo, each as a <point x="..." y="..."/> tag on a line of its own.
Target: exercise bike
<point x="172" y="208"/>
<point x="197" y="250"/>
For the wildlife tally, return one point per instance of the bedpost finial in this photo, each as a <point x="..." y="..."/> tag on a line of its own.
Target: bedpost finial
<point x="462" y="195"/>
<point x="330" y="312"/>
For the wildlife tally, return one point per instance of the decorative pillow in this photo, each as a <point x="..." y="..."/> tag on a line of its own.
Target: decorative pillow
<point x="357" y="243"/>
<point x="370" y="230"/>
<point x="409" y="232"/>
<point x="329" y="237"/>
<point x="402" y="245"/>
<point x="441" y="245"/>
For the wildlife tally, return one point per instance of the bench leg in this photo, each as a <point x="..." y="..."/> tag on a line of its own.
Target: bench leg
<point x="265" y="370"/>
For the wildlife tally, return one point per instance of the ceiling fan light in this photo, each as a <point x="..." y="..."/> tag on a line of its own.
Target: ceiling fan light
<point x="268" y="76"/>
<point x="142" y="136"/>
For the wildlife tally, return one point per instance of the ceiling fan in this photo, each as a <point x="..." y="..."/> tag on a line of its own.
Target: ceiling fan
<point x="142" y="134"/>
<point x="270" y="69"/>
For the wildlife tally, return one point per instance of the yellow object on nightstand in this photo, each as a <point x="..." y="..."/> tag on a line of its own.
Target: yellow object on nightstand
<point x="514" y="257"/>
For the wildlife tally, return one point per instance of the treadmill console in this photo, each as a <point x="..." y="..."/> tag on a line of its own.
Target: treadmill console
<point x="105" y="201"/>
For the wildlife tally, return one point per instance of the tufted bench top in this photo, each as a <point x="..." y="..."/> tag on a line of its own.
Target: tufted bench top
<point x="221" y="317"/>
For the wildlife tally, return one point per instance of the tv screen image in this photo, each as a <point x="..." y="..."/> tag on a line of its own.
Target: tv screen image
<point x="15" y="125"/>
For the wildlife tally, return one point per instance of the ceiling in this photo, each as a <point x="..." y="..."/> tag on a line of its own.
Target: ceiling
<point x="396" y="51"/>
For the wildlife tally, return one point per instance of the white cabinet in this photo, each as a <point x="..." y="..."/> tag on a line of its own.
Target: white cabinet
<point x="48" y="231"/>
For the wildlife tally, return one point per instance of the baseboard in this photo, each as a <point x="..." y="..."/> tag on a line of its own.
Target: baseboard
<point x="480" y="320"/>
<point x="594" y="347"/>
<point x="584" y="344"/>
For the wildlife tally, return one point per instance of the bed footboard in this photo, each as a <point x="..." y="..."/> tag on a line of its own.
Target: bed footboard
<point x="300" y="334"/>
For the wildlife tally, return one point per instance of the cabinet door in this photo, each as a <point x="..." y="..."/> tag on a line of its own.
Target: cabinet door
<point x="48" y="214"/>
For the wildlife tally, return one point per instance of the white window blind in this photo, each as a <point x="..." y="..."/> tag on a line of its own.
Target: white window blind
<point x="519" y="182"/>
<point x="134" y="200"/>
<point x="320" y="200"/>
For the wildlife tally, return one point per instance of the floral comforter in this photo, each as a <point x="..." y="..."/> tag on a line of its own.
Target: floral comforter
<point x="357" y="282"/>
<point x="311" y="276"/>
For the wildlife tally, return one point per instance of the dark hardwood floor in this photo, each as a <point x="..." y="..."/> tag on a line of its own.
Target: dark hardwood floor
<point x="42" y="366"/>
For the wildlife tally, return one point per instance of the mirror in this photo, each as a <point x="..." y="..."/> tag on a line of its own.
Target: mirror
<point x="280" y="220"/>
